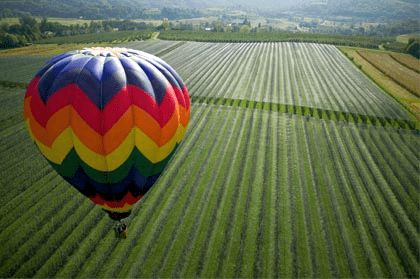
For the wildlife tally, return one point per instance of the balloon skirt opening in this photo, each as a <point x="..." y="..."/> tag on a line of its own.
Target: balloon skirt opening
<point x="117" y="216"/>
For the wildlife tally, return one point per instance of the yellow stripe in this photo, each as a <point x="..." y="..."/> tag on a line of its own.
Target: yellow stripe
<point x="60" y="147"/>
<point x="67" y="140"/>
<point x="125" y="208"/>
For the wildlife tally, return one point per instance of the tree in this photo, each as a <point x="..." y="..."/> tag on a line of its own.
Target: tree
<point x="413" y="47"/>
<point x="43" y="26"/>
<point x="6" y="13"/>
<point x="218" y="26"/>
<point x="29" y="28"/>
<point x="8" y="41"/>
<point x="244" y="29"/>
<point x="95" y="26"/>
<point x="27" y="20"/>
<point x="165" y="23"/>
<point x="246" y="22"/>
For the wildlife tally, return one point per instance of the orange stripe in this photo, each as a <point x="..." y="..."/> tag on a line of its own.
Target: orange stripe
<point x="119" y="132"/>
<point x="184" y="115"/>
<point x="54" y="128"/>
<point x="113" y="138"/>
<point x="85" y="133"/>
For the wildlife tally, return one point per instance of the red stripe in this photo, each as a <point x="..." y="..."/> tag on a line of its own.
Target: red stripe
<point x="32" y="87"/>
<point x="128" y="198"/>
<point x="117" y="106"/>
<point x="180" y="96"/>
<point x="42" y="112"/>
<point x="186" y="97"/>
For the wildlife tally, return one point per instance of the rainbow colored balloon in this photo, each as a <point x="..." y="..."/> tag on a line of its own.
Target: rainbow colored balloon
<point x="108" y="120"/>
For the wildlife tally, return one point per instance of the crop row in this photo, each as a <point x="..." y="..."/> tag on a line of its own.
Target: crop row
<point x="309" y="111"/>
<point x="269" y="194"/>
<point x="309" y="75"/>
<point x="151" y="46"/>
<point x="299" y="74"/>
<point x="233" y="222"/>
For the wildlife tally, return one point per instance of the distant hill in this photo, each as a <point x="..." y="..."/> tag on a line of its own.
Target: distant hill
<point x="97" y="9"/>
<point x="365" y="9"/>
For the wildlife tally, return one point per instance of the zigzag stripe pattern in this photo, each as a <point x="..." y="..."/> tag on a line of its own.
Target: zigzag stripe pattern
<point x="108" y="120"/>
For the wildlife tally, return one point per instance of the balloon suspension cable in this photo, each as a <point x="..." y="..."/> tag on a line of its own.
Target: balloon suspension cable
<point x="120" y="226"/>
<point x="121" y="229"/>
<point x="117" y="216"/>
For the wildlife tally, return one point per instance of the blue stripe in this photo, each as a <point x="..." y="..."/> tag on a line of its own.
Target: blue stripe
<point x="134" y="182"/>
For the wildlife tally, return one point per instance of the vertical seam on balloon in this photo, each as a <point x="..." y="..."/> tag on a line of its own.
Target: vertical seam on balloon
<point x="178" y="80"/>
<point x="165" y="69"/>
<point x="47" y="97"/>
<point x="144" y="61"/>
<point x="160" y="115"/>
<point x="52" y="83"/>
<point x="137" y="61"/>
<point x="101" y="119"/>
<point x="133" y="117"/>
<point x="71" y="113"/>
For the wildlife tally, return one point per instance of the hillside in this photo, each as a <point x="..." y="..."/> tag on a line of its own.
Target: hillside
<point x="101" y="9"/>
<point x="381" y="10"/>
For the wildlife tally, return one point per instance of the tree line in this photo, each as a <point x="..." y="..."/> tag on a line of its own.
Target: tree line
<point x="93" y="9"/>
<point x="29" y="30"/>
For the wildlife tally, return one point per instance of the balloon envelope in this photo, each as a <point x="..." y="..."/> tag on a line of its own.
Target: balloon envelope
<point x="108" y="120"/>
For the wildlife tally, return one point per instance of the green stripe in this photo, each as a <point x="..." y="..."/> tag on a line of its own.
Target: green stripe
<point x="72" y="162"/>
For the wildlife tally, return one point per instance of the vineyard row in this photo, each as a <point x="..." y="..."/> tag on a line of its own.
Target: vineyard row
<point x="309" y="111"/>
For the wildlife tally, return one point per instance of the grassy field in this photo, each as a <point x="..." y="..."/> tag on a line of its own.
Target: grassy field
<point x="400" y="93"/>
<point x="392" y="68"/>
<point x="294" y="165"/>
<point x="45" y="49"/>
<point x="407" y="60"/>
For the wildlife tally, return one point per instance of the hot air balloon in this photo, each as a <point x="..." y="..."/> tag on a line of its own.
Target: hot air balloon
<point x="108" y="121"/>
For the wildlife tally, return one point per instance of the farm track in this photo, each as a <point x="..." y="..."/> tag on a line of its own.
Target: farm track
<point x="281" y="174"/>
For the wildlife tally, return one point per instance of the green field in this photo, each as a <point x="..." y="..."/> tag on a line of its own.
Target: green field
<point x="294" y="165"/>
<point x="310" y="75"/>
